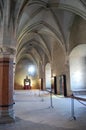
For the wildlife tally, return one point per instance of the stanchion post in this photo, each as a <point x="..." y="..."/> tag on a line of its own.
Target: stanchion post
<point x="72" y="109"/>
<point x="51" y="102"/>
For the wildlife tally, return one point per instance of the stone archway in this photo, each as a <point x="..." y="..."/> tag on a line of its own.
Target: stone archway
<point x="78" y="68"/>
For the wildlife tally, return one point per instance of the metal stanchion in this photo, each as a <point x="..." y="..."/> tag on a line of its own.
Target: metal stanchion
<point x="51" y="102"/>
<point x="72" y="109"/>
<point x="42" y="99"/>
<point x="39" y="92"/>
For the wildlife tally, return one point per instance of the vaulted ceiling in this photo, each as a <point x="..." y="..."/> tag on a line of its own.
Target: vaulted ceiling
<point x="40" y="23"/>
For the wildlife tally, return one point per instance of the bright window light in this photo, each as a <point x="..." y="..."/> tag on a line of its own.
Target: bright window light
<point x="31" y="70"/>
<point x="78" y="76"/>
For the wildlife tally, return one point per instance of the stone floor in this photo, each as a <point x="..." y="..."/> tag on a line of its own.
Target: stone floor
<point x="34" y="110"/>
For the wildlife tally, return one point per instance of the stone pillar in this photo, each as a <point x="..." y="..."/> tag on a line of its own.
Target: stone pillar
<point x="6" y="89"/>
<point x="67" y="73"/>
<point x="43" y="77"/>
<point x="43" y="73"/>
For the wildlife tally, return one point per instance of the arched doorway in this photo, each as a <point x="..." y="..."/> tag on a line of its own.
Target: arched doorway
<point x="78" y="69"/>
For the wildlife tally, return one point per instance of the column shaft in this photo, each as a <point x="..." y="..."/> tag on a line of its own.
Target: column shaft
<point x="6" y="90"/>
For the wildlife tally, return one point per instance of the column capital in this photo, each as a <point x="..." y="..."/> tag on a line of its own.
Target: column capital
<point x="6" y="51"/>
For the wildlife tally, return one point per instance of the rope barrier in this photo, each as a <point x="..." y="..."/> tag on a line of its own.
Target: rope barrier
<point x="78" y="99"/>
<point x="81" y="102"/>
<point x="72" y="104"/>
<point x="51" y="101"/>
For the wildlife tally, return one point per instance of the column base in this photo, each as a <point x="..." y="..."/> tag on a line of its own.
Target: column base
<point x="7" y="116"/>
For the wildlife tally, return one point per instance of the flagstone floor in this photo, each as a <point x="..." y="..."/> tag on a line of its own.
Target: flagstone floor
<point x="37" y="110"/>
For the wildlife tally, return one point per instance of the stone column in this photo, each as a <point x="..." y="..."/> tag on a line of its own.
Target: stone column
<point x="43" y="77"/>
<point x="43" y="72"/>
<point x="6" y="86"/>
<point x="67" y="73"/>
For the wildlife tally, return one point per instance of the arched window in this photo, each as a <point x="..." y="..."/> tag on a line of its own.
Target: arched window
<point x="48" y="75"/>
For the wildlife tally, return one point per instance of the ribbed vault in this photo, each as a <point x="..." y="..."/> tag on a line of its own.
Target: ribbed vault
<point x="40" y="23"/>
<point x="35" y="27"/>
